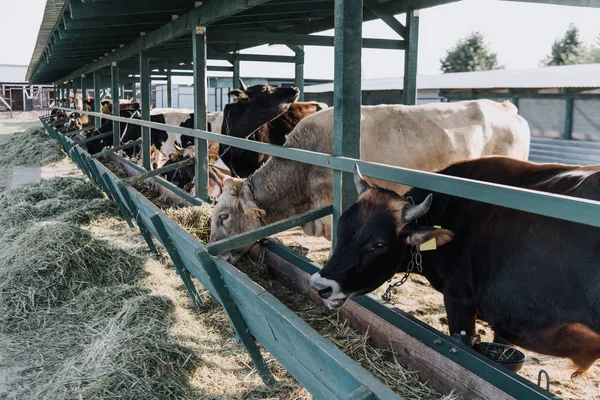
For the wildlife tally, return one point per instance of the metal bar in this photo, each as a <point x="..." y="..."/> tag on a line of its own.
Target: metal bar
<point x="117" y="148"/>
<point x="179" y="265"/>
<point x="200" y="145"/>
<point x="159" y="171"/>
<point x="83" y="90"/>
<point x="235" y="317"/>
<point x="259" y="38"/>
<point x="113" y="189"/>
<point x="81" y="10"/>
<point x="169" y="90"/>
<point x="136" y="216"/>
<point x="568" y="133"/>
<point x="299" y="73"/>
<point x="160" y="181"/>
<point x="558" y="206"/>
<point x="145" y="91"/>
<point x="96" y="75"/>
<point x="389" y="19"/>
<point x="347" y="98"/>
<point x="409" y="93"/>
<point x="114" y="91"/>
<point x="97" y="137"/>
<point x="73" y="133"/>
<point x="268" y="230"/>
<point x="236" y="71"/>
<point x="134" y="91"/>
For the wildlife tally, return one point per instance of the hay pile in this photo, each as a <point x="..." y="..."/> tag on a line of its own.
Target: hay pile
<point x="33" y="148"/>
<point x="195" y="220"/>
<point x="66" y="199"/>
<point x="77" y="321"/>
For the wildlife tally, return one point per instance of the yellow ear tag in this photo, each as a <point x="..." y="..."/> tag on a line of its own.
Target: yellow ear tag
<point x="257" y="213"/>
<point x="430" y="244"/>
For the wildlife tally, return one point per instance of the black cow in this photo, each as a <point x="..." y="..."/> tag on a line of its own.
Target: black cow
<point x="272" y="109"/>
<point x="533" y="278"/>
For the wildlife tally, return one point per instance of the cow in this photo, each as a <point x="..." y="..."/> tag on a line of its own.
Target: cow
<point x="533" y="278"/>
<point x="427" y="138"/>
<point x="184" y="177"/>
<point x="262" y="113"/>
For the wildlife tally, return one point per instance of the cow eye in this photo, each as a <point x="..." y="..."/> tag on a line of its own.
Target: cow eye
<point x="380" y="247"/>
<point x="223" y="217"/>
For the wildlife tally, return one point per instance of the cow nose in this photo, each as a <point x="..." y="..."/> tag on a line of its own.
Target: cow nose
<point x="325" y="293"/>
<point x="323" y="289"/>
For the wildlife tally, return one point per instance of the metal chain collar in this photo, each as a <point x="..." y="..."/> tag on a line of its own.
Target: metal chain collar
<point x="416" y="260"/>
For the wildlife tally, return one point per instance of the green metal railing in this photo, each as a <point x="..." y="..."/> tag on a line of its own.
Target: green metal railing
<point x="564" y="207"/>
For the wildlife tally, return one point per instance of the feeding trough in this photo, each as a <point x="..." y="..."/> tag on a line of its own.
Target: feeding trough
<point x="506" y="356"/>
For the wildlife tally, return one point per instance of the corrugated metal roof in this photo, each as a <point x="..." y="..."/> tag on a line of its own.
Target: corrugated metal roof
<point x="565" y="76"/>
<point x="12" y="73"/>
<point x="52" y="14"/>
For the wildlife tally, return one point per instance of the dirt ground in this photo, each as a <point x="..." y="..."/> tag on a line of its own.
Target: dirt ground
<point x="419" y="299"/>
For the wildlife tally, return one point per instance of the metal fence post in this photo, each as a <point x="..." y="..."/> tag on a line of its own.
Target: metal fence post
<point x="200" y="145"/>
<point x="169" y="89"/>
<point x="299" y="72"/>
<point x="145" y="87"/>
<point x="346" y="99"/>
<point x="410" y="58"/>
<point x="96" y="97"/>
<point x="83" y="90"/>
<point x="114" y="91"/>
<point x="133" y="91"/>
<point x="236" y="72"/>
<point x="568" y="133"/>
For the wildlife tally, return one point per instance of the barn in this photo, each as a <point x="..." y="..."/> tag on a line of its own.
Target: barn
<point x="86" y="44"/>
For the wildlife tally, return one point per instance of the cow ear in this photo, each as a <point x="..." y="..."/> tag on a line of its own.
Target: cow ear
<point x="238" y="94"/>
<point x="424" y="234"/>
<point x="250" y="208"/>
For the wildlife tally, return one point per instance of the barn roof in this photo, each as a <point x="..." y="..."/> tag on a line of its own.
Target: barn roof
<point x="10" y="73"/>
<point x="565" y="76"/>
<point x="80" y="36"/>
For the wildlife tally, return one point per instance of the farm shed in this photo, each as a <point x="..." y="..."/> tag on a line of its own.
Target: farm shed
<point x="84" y="43"/>
<point x="18" y="95"/>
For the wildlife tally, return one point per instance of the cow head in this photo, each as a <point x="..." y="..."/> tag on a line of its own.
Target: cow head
<point x="89" y="103"/>
<point x="236" y="212"/>
<point x="255" y="106"/>
<point x="374" y="240"/>
<point x="106" y="107"/>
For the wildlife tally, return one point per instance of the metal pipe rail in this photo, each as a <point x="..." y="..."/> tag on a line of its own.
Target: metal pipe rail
<point x="553" y="205"/>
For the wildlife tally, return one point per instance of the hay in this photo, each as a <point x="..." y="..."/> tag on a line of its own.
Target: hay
<point x="63" y="199"/>
<point x="33" y="148"/>
<point x="51" y="263"/>
<point x="195" y="220"/>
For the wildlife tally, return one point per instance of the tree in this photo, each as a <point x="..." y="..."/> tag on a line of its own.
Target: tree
<point x="470" y="54"/>
<point x="568" y="50"/>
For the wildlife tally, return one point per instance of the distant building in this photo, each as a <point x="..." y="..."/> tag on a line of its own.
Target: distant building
<point x="557" y="102"/>
<point x="17" y="94"/>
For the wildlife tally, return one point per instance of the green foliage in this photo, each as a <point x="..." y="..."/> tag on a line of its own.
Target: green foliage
<point x="571" y="50"/>
<point x="470" y="54"/>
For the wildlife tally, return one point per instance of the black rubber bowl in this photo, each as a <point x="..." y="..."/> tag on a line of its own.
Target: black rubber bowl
<point x="506" y="356"/>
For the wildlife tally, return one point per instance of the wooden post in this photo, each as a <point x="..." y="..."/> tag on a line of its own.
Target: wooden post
<point x="410" y="58"/>
<point x="299" y="72"/>
<point x="200" y="145"/>
<point x="96" y="75"/>
<point x="568" y="133"/>
<point x="145" y="107"/>
<point x="114" y="75"/>
<point x="346" y="99"/>
<point x="169" y="89"/>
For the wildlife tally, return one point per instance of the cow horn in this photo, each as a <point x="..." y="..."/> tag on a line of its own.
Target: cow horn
<point x="177" y="147"/>
<point x="242" y="85"/>
<point x="412" y="212"/>
<point x="359" y="181"/>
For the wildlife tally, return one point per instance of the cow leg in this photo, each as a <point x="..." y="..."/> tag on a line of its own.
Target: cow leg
<point x="461" y="313"/>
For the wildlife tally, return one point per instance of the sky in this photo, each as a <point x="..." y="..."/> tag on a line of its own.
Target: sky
<point x="521" y="34"/>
